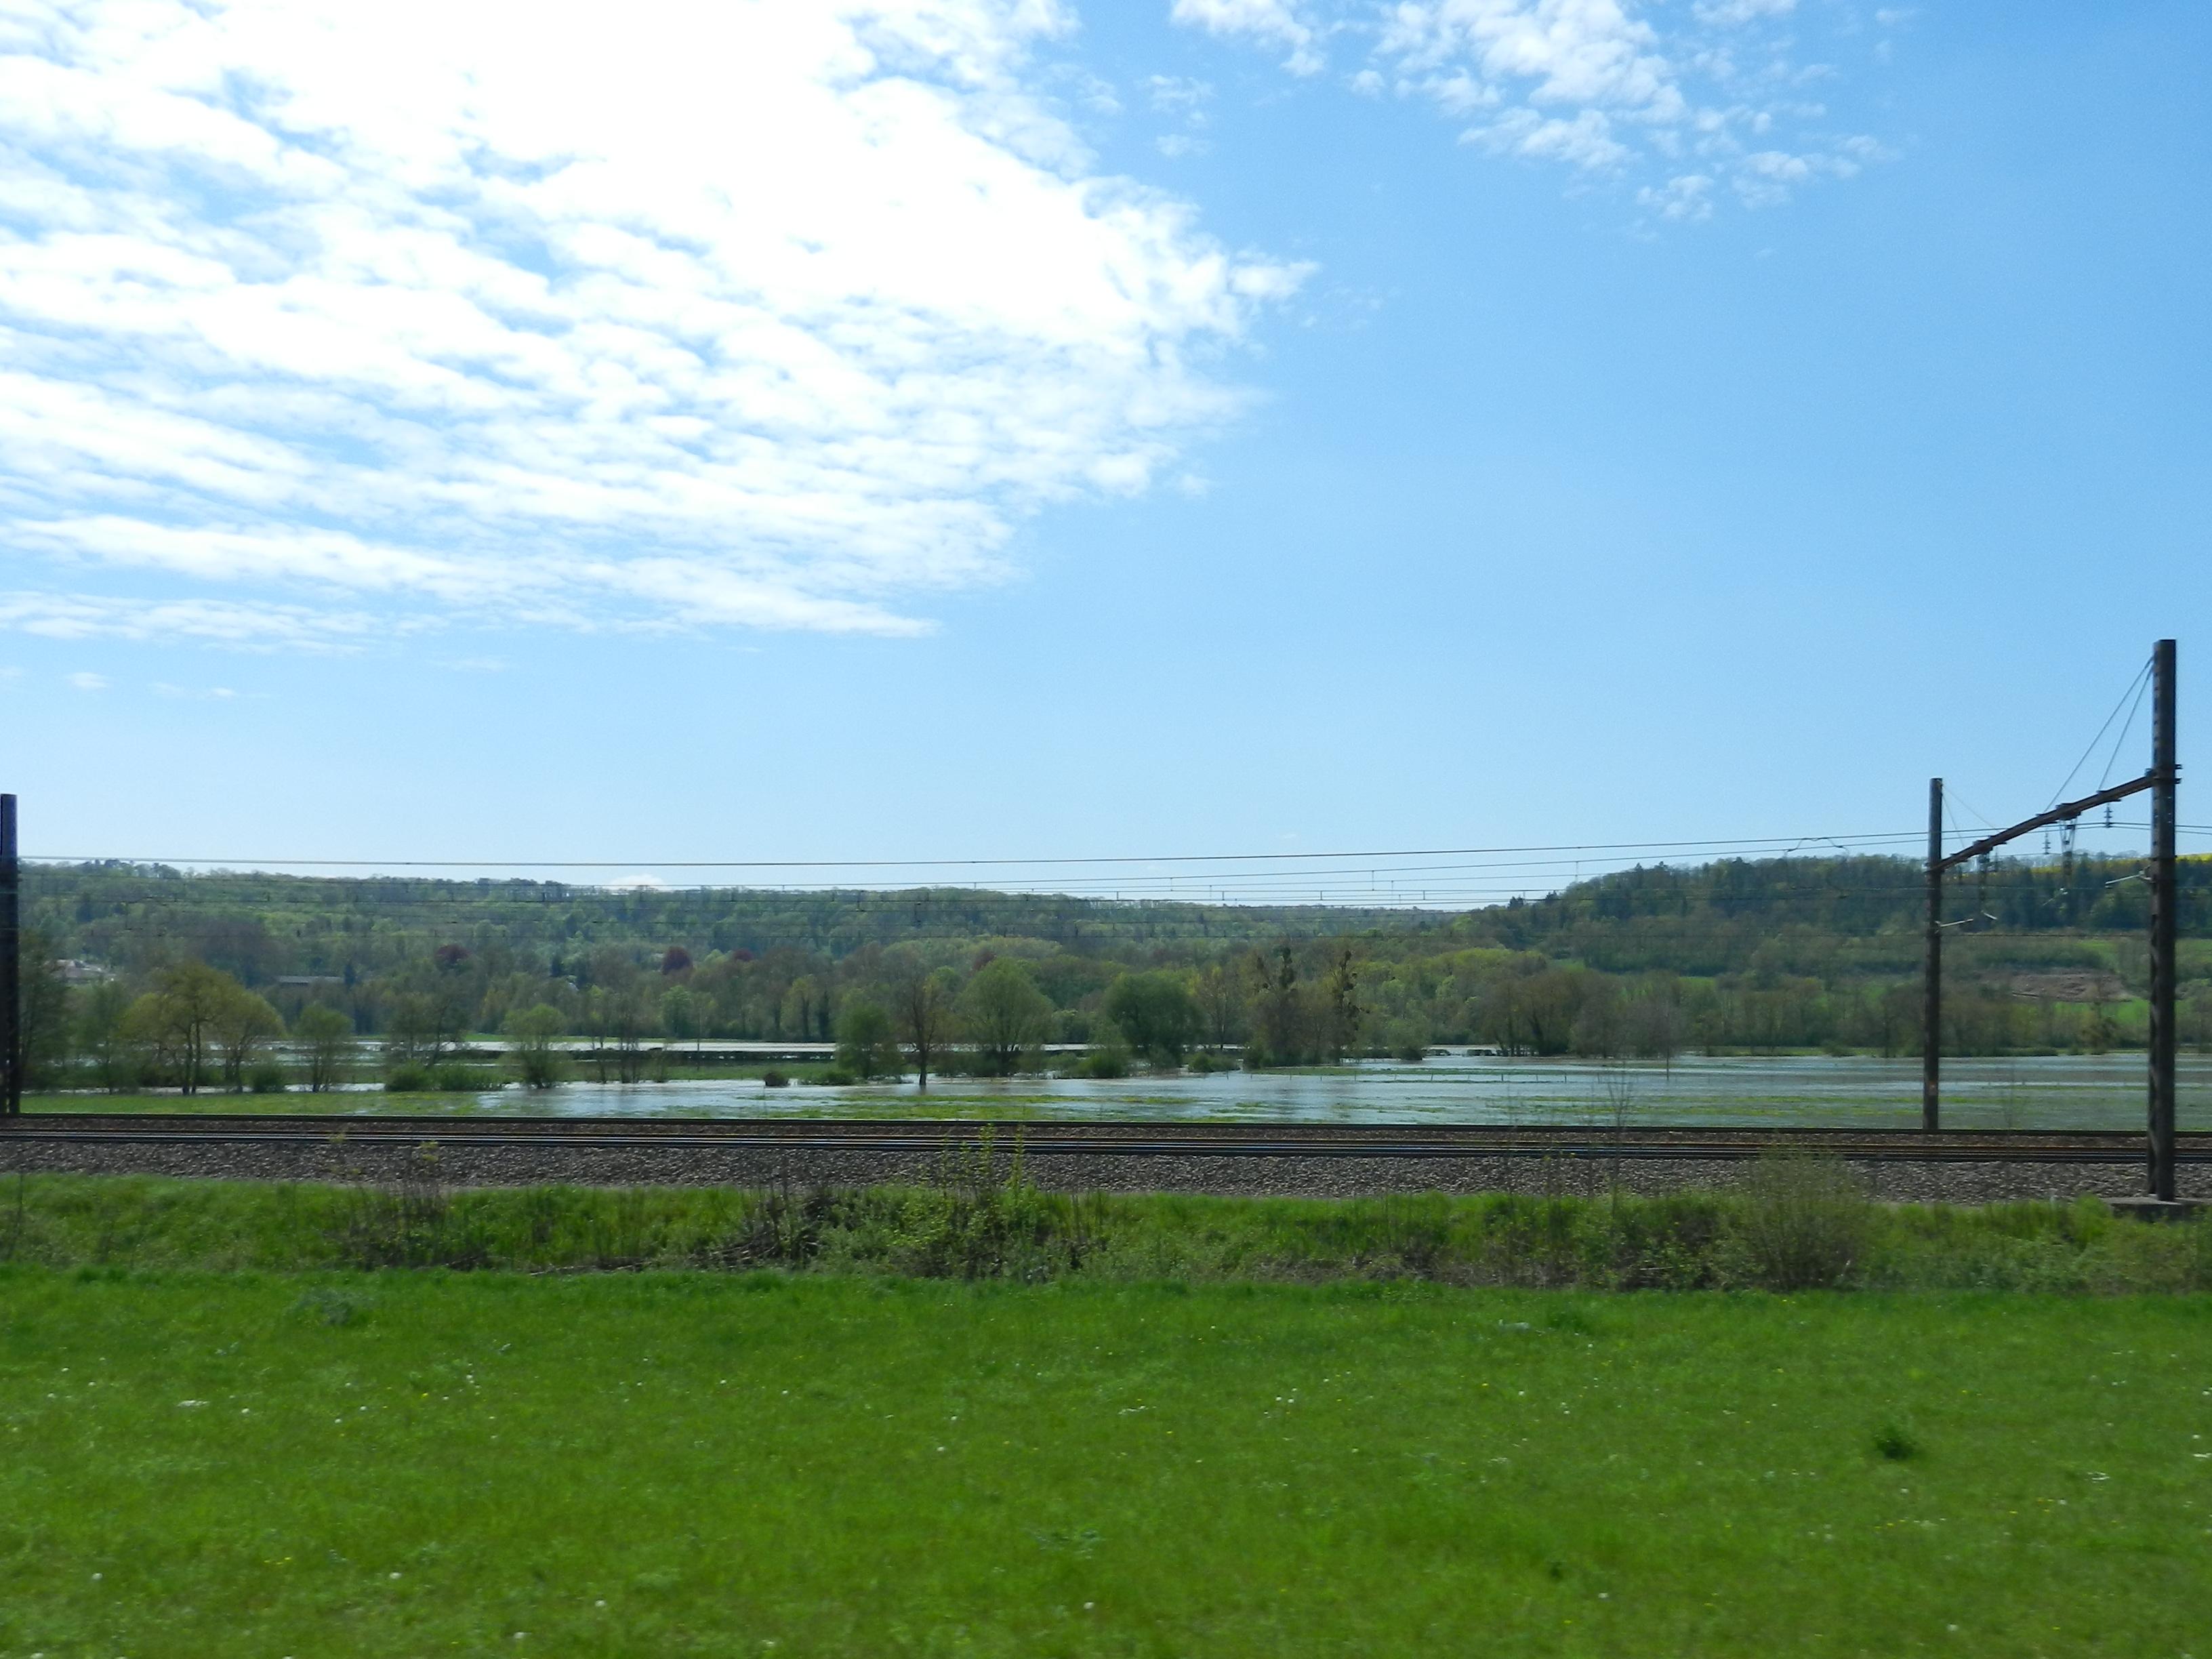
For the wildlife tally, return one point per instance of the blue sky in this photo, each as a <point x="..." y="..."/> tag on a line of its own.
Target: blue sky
<point x="966" y="430"/>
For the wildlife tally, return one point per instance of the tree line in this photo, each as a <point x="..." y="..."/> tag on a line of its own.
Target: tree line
<point x="196" y="981"/>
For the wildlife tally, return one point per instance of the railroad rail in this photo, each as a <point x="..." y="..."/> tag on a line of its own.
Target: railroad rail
<point x="1093" y="1139"/>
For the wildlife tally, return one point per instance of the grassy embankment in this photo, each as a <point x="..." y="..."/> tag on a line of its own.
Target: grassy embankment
<point x="401" y="1464"/>
<point x="1792" y="1224"/>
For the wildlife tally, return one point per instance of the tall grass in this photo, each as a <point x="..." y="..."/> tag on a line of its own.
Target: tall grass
<point x="1792" y="1225"/>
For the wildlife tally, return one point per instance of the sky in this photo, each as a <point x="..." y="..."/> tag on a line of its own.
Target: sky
<point x="1009" y="429"/>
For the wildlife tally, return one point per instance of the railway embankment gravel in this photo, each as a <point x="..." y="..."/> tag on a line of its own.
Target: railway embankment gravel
<point x="1246" y="1161"/>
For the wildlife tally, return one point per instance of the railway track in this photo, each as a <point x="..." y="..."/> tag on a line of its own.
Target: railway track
<point x="1090" y="1140"/>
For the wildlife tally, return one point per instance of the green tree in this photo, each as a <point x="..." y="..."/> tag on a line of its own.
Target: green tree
<point x="618" y="1020"/>
<point x="923" y="1011"/>
<point x="325" y="1039"/>
<point x="1005" y="1015"/>
<point x="531" y="1032"/>
<point x="424" y="1026"/>
<point x="1155" y="1012"/>
<point x="1281" y="1025"/>
<point x="1341" y="1000"/>
<point x="864" y="1046"/>
<point x="245" y="1024"/>
<point x="1222" y="1011"/>
<point x="44" y="1005"/>
<point x="176" y="1023"/>
<point x="680" y="1013"/>
<point x="100" y="1036"/>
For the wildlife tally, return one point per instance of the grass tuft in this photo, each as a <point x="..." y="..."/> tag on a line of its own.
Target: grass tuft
<point x="1896" y="1442"/>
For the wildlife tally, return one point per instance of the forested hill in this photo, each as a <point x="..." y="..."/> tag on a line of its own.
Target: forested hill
<point x="1800" y="914"/>
<point x="256" y="927"/>
<point x="1813" y="914"/>
<point x="1787" y="953"/>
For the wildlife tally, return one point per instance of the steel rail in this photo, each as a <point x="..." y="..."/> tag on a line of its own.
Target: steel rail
<point x="1112" y="1140"/>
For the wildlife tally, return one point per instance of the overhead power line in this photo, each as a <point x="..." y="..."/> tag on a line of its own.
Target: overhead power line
<point x="1754" y="841"/>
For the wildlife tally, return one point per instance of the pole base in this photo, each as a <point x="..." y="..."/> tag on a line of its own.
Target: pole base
<point x="2157" y="1209"/>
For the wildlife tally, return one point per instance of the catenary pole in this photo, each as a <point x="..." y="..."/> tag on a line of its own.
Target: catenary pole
<point x="2164" y="902"/>
<point x="1931" y="993"/>
<point x="11" y="991"/>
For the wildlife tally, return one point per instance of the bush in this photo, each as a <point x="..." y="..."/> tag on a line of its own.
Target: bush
<point x="455" y="1077"/>
<point x="266" y="1076"/>
<point x="864" y="1044"/>
<point x="1805" y="1222"/>
<point x="1896" y="1442"/>
<point x="1103" y="1063"/>
<point x="538" y="1067"/>
<point x="775" y="1079"/>
<point x="407" y="1221"/>
<point x="408" y="1077"/>
<point x="1156" y="1013"/>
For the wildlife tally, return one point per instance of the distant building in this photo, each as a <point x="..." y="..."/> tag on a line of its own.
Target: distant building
<point x="75" y="971"/>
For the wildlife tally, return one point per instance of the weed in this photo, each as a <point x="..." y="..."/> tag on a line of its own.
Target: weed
<point x="326" y="1306"/>
<point x="408" y="1221"/>
<point x="1896" y="1442"/>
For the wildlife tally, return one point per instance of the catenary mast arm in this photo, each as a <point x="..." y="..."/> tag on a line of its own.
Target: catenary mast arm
<point x="2059" y="814"/>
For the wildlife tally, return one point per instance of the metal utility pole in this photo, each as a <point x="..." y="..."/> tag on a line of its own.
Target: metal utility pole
<point x="2161" y="780"/>
<point x="2164" y="901"/>
<point x="1931" y="992"/>
<point x="11" y="986"/>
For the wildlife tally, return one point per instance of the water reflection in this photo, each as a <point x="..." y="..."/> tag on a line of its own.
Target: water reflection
<point x="2066" y="1092"/>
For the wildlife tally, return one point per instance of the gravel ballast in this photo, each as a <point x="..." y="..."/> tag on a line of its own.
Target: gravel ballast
<point x="1248" y="1161"/>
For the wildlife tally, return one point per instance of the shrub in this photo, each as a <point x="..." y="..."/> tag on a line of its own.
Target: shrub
<point x="407" y="1221"/>
<point x="538" y="1068"/>
<point x="1896" y="1442"/>
<point x="538" y="1064"/>
<point x="1156" y="1013"/>
<point x="864" y="1044"/>
<point x="266" y="1076"/>
<point x="455" y="1077"/>
<point x="408" y="1077"/>
<point x="1805" y="1222"/>
<point x="1103" y="1063"/>
<point x="775" y="1079"/>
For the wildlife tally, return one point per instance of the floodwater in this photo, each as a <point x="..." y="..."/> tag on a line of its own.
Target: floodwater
<point x="2070" y="1091"/>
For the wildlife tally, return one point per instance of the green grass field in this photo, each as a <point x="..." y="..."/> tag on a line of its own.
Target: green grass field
<point x="408" y="1464"/>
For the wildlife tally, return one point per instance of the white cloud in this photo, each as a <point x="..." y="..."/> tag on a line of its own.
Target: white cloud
<point x="1732" y="12"/>
<point x="1178" y="95"/>
<point x="211" y="694"/>
<point x="249" y="626"/>
<point x="1687" y="196"/>
<point x="714" y="314"/>
<point x="1605" y="87"/>
<point x="1278" y="24"/>
<point x="84" y="682"/>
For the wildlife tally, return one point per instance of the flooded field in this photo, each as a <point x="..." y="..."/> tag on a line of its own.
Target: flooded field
<point x="2066" y="1092"/>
